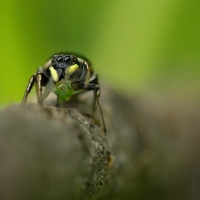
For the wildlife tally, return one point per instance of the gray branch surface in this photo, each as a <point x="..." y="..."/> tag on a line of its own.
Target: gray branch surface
<point x="151" y="150"/>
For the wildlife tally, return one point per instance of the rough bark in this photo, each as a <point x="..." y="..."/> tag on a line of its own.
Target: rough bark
<point x="150" y="151"/>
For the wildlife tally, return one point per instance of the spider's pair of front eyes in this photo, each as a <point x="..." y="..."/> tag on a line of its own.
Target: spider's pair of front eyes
<point x="66" y="58"/>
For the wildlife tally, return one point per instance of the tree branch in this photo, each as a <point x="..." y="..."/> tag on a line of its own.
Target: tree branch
<point x="150" y="150"/>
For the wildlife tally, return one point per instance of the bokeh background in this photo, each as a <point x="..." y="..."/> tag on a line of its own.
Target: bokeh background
<point x="134" y="45"/>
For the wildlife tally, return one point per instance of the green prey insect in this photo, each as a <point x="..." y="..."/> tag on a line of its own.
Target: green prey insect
<point x="66" y="75"/>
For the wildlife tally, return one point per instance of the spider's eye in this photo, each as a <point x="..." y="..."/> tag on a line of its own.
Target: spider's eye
<point x="72" y="57"/>
<point x="59" y="58"/>
<point x="67" y="58"/>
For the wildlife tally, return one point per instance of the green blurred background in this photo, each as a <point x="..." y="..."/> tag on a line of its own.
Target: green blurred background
<point x="134" y="45"/>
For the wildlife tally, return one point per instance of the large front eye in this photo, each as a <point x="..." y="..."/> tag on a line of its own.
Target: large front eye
<point x="67" y="58"/>
<point x="59" y="58"/>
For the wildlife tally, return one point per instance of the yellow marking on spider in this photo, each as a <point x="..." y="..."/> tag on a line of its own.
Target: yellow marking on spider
<point x="72" y="68"/>
<point x="54" y="74"/>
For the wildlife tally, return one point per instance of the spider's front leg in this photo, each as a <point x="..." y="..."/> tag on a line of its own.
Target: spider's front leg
<point x="38" y="78"/>
<point x="28" y="89"/>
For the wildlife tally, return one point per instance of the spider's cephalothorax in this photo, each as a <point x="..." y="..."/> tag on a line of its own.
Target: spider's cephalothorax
<point x="65" y="75"/>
